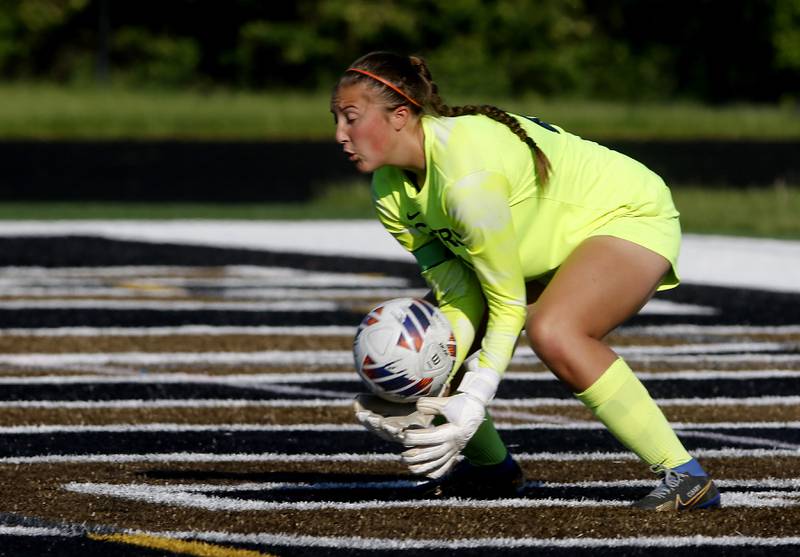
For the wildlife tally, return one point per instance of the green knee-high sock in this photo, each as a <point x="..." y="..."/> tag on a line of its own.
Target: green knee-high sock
<point x="485" y="448"/>
<point x="621" y="402"/>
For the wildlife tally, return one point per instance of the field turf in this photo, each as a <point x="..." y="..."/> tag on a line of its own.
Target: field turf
<point x="165" y="399"/>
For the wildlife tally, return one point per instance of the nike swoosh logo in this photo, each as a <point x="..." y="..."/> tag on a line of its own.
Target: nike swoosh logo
<point x="412" y="216"/>
<point x="692" y="501"/>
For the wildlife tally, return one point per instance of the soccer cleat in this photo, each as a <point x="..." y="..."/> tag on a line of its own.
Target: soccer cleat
<point x="466" y="480"/>
<point x="680" y="492"/>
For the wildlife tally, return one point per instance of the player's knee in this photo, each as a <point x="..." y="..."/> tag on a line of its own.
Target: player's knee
<point x="549" y="335"/>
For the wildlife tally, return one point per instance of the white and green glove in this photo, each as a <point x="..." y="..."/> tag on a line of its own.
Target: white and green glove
<point x="388" y="420"/>
<point x="434" y="449"/>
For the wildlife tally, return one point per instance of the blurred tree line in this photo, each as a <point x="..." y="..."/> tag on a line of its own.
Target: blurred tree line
<point x="707" y="50"/>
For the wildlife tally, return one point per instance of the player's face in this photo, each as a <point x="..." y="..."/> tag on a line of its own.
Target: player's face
<point x="363" y="127"/>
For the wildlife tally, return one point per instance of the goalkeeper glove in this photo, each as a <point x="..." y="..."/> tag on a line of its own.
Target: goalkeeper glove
<point x="388" y="420"/>
<point x="434" y="449"/>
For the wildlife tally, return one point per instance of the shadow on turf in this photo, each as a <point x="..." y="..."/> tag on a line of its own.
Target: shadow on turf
<point x="348" y="487"/>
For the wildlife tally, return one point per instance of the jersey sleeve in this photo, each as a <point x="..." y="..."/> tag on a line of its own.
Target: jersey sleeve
<point x="477" y="205"/>
<point x="454" y="285"/>
<point x="459" y="297"/>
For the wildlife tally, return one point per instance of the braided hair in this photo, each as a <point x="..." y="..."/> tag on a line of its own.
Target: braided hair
<point x="406" y="80"/>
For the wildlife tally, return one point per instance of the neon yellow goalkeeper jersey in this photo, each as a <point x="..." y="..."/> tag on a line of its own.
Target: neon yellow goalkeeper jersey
<point x="481" y="225"/>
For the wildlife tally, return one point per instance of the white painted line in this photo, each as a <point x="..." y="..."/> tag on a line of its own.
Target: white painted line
<point x="664" y="307"/>
<point x="35" y="531"/>
<point x="176" y="403"/>
<point x="306" y="303"/>
<point x="707" y="348"/>
<point x="153" y="290"/>
<point x="740" y="439"/>
<point x="174" y="428"/>
<point x="346" y="402"/>
<point x="206" y="330"/>
<point x="183" y="378"/>
<point x="711" y="359"/>
<point x="334" y="330"/>
<point x="342" y="402"/>
<point x="686" y="429"/>
<point x="697" y="453"/>
<point x="139" y="376"/>
<point x="760" y="483"/>
<point x="695" y="402"/>
<point x="297" y="486"/>
<point x="308" y="392"/>
<point x="339" y="357"/>
<point x="170" y="305"/>
<point x="65" y="294"/>
<point x="228" y="275"/>
<point x="675" y="425"/>
<point x="688" y="329"/>
<point x="367" y="457"/>
<point x="282" y="357"/>
<point x="198" y="457"/>
<point x="761" y="499"/>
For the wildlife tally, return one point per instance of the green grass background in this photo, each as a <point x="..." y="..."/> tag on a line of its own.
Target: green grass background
<point x="35" y="111"/>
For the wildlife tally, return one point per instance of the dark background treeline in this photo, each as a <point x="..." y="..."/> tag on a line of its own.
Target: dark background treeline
<point x="713" y="51"/>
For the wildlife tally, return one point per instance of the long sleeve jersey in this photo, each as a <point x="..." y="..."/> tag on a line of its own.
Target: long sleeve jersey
<point x="481" y="224"/>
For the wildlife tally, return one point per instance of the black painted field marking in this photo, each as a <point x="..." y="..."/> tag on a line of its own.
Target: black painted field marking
<point x="332" y="442"/>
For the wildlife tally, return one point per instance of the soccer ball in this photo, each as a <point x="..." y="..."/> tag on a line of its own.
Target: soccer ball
<point x="404" y="349"/>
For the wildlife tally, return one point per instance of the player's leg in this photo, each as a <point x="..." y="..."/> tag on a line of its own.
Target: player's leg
<point x="604" y="282"/>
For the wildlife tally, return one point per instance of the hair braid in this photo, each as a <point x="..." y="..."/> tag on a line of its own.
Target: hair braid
<point x="541" y="163"/>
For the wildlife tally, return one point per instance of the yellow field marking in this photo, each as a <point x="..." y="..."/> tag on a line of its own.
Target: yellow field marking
<point x="201" y="549"/>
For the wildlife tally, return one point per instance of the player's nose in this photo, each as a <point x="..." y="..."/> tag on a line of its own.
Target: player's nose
<point x="341" y="136"/>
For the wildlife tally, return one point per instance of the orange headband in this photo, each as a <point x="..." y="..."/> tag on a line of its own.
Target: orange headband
<point x="387" y="83"/>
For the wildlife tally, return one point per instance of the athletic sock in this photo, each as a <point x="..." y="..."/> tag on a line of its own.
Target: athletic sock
<point x="620" y="401"/>
<point x="485" y="448"/>
<point x="692" y="468"/>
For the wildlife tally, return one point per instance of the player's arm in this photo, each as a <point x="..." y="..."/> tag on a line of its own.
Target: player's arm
<point x="455" y="286"/>
<point x="478" y="207"/>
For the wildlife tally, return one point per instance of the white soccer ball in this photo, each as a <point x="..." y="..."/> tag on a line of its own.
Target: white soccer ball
<point x="404" y="349"/>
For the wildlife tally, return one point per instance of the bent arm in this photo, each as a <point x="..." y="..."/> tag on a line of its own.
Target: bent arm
<point x="455" y="286"/>
<point x="478" y="207"/>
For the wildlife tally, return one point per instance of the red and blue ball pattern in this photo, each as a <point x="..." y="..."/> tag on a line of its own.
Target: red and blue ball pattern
<point x="389" y="377"/>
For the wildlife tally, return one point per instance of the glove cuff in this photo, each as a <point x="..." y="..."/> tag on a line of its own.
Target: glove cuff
<point x="481" y="384"/>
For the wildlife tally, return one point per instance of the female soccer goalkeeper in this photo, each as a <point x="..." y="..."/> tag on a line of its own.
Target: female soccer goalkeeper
<point x="517" y="219"/>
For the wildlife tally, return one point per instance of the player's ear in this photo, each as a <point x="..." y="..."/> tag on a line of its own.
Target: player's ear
<point x="400" y="117"/>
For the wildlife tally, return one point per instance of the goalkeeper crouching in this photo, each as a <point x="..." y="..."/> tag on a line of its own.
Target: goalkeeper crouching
<point x="518" y="222"/>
